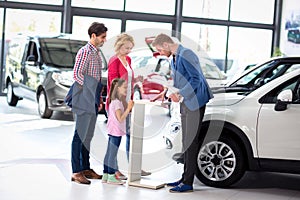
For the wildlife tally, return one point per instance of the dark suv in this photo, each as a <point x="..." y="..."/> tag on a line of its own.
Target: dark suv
<point x="41" y="68"/>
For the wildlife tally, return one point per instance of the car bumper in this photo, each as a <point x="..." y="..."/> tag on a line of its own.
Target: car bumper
<point x="55" y="95"/>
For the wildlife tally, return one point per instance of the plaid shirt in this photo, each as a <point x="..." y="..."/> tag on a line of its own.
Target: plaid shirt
<point x="88" y="61"/>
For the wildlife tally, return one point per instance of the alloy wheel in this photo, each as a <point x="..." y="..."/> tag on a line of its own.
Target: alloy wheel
<point x="216" y="161"/>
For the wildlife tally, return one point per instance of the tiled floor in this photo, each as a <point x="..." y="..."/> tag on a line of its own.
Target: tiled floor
<point x="35" y="163"/>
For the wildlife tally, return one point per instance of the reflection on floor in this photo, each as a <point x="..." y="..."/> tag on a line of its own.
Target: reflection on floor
<point x="35" y="163"/>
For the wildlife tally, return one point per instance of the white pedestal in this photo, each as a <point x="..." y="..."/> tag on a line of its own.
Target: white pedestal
<point x="136" y="146"/>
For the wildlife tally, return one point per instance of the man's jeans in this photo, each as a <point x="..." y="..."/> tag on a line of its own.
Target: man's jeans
<point x="84" y="132"/>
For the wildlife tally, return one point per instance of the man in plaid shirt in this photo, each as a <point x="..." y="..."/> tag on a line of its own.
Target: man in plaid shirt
<point x="85" y="102"/>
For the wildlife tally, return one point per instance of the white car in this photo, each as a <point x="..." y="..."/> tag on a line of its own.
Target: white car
<point x="256" y="131"/>
<point x="249" y="81"/>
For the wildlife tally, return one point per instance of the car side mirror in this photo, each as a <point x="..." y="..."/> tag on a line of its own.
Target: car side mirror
<point x="31" y="60"/>
<point x="283" y="99"/>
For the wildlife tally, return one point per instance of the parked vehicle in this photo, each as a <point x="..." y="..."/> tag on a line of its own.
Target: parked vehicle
<point x="248" y="82"/>
<point x="251" y="131"/>
<point x="40" y="68"/>
<point x="293" y="35"/>
<point x="155" y="71"/>
<point x="245" y="132"/>
<point x="4" y="63"/>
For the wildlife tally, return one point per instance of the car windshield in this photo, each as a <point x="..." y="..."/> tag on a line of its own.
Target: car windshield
<point x="210" y="70"/>
<point x="261" y="75"/>
<point x="244" y="80"/>
<point x="60" y="52"/>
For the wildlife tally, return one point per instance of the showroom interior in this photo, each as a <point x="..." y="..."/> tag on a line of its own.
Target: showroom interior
<point x="234" y="35"/>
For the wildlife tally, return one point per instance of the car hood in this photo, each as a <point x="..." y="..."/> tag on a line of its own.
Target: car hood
<point x="214" y="83"/>
<point x="225" y="99"/>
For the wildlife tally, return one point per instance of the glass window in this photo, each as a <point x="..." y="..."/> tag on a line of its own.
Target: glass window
<point x="100" y="4"/>
<point x="142" y="29"/>
<point x="290" y="24"/>
<point x="165" y="7"/>
<point x="1" y="27"/>
<point x="133" y="25"/>
<point x="214" y="9"/>
<point x="248" y="45"/>
<point x="210" y="38"/>
<point x="2" y="72"/>
<point x="60" y="52"/>
<point x="207" y="42"/>
<point x="1" y="21"/>
<point x="252" y="11"/>
<point x="81" y="26"/>
<point x="33" y="22"/>
<point x="52" y="2"/>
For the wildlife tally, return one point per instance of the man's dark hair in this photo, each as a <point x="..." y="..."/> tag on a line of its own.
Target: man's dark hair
<point x="97" y="28"/>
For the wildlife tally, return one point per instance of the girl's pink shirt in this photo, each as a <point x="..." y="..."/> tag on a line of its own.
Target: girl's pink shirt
<point x="115" y="127"/>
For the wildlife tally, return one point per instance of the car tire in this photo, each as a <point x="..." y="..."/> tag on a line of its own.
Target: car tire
<point x="220" y="163"/>
<point x="137" y="94"/>
<point x="43" y="108"/>
<point x="11" y="98"/>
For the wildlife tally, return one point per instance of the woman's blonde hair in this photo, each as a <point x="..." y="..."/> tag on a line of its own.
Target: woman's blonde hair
<point x="122" y="39"/>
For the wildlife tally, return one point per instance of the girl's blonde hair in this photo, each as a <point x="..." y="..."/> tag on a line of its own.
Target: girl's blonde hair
<point x="113" y="93"/>
<point x="121" y="40"/>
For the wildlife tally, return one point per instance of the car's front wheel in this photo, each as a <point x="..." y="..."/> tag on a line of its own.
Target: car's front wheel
<point x="43" y="108"/>
<point x="220" y="163"/>
<point x="11" y="98"/>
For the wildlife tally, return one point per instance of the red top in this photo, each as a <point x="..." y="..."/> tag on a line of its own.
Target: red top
<point x="117" y="70"/>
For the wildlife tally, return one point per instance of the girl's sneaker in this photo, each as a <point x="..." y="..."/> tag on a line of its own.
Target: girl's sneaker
<point x="113" y="180"/>
<point x="104" y="178"/>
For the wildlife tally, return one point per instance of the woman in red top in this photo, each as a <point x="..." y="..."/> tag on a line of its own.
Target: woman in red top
<point x="119" y="66"/>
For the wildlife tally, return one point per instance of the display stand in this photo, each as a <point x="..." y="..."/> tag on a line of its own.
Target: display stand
<point x="136" y="146"/>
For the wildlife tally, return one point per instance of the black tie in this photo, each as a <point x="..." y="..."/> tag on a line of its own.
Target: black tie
<point x="174" y="60"/>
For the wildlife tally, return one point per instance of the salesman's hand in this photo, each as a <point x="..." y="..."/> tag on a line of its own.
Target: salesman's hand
<point x="174" y="97"/>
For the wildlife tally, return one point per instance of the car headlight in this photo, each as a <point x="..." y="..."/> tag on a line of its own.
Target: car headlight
<point x="62" y="78"/>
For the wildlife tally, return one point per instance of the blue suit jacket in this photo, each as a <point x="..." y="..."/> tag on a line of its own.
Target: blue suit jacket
<point x="189" y="79"/>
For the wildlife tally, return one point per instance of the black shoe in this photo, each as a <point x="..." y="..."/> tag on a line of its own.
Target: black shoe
<point x="178" y="157"/>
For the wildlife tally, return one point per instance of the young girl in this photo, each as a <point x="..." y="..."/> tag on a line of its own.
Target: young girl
<point x="116" y="128"/>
